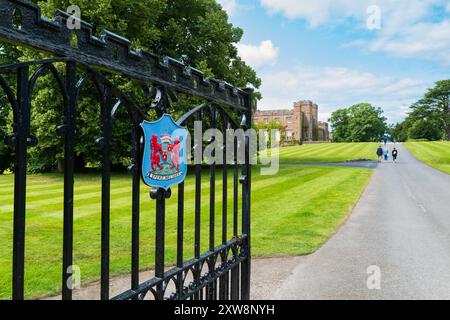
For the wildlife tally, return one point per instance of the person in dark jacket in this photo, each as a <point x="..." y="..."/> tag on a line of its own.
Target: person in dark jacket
<point x="380" y="153"/>
<point x="395" y="154"/>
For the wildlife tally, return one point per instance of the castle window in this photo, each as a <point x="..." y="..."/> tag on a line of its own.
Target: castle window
<point x="277" y="120"/>
<point x="266" y="120"/>
<point x="288" y="119"/>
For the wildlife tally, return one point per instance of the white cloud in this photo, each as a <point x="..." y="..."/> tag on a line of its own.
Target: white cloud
<point x="334" y="88"/>
<point x="315" y="12"/>
<point x="409" y="28"/>
<point x="428" y="41"/>
<point x="258" y="55"/>
<point x="322" y="11"/>
<point x="229" y="6"/>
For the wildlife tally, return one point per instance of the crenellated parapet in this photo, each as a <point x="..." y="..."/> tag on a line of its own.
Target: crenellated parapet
<point x="21" y="23"/>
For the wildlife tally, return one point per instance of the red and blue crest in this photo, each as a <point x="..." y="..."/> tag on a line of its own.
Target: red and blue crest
<point x="164" y="161"/>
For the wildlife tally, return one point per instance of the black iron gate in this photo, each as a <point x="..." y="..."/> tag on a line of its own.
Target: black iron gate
<point x="223" y="272"/>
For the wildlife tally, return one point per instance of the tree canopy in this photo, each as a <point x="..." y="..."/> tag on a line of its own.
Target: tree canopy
<point x="429" y="118"/>
<point x="358" y="123"/>
<point x="8" y="54"/>
<point x="272" y="125"/>
<point x="196" y="32"/>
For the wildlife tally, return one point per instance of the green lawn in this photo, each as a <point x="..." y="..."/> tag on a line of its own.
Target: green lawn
<point x="328" y="152"/>
<point x="293" y="213"/>
<point x="434" y="154"/>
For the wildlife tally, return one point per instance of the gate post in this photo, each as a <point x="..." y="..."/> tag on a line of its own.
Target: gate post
<point x="22" y="130"/>
<point x="69" y="145"/>
<point x="246" y="200"/>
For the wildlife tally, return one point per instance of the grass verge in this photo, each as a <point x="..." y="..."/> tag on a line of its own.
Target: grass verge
<point x="434" y="154"/>
<point x="328" y="152"/>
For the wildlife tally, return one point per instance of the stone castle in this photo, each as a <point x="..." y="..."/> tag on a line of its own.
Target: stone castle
<point x="301" y="122"/>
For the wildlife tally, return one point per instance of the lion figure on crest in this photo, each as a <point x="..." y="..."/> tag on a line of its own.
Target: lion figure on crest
<point x="157" y="151"/>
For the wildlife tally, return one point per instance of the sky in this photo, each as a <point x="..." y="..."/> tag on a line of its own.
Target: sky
<point x="342" y="52"/>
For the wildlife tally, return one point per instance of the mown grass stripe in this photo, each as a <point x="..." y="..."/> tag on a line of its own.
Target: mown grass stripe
<point x="434" y="154"/>
<point x="329" y="153"/>
<point x="303" y="149"/>
<point x="299" y="207"/>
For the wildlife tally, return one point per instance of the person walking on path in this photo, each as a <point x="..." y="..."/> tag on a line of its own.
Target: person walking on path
<point x="379" y="153"/>
<point x="386" y="154"/>
<point x="395" y="154"/>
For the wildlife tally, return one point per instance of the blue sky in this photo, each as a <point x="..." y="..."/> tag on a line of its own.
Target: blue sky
<point x="342" y="52"/>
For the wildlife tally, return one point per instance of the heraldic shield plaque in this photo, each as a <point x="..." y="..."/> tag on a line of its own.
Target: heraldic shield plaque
<point x="164" y="161"/>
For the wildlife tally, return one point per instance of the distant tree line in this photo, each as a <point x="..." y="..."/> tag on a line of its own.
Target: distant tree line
<point x="429" y="118"/>
<point x="358" y="123"/>
<point x="196" y="32"/>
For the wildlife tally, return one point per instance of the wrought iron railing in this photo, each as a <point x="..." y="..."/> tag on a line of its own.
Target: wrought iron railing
<point x="223" y="272"/>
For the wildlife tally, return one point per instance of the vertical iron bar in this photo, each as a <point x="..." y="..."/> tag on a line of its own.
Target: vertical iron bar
<point x="227" y="285"/>
<point x="160" y="196"/>
<point x="235" y="271"/>
<point x="222" y="286"/>
<point x="235" y="189"/>
<point x="22" y="128"/>
<point x="235" y="283"/>
<point x="212" y="186"/>
<point x="106" y="192"/>
<point x="223" y="283"/>
<point x="180" y="233"/>
<point x="198" y="204"/>
<point x="245" y="270"/>
<point x="136" y="138"/>
<point x="198" y="190"/>
<point x="212" y="210"/>
<point x="180" y="236"/>
<point x="224" y="183"/>
<point x="246" y="197"/>
<point x="69" y="144"/>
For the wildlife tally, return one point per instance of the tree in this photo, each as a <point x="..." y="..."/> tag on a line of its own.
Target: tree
<point x="429" y="117"/>
<point x="272" y="125"/>
<point x="5" y="150"/>
<point x="437" y="103"/>
<point x="399" y="132"/>
<point x="425" y="129"/>
<point x="8" y="55"/>
<point x="358" y="123"/>
<point x="340" y="120"/>
<point x="196" y="32"/>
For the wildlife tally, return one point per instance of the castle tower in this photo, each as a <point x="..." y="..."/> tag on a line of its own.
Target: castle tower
<point x="310" y="114"/>
<point x="324" y="131"/>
